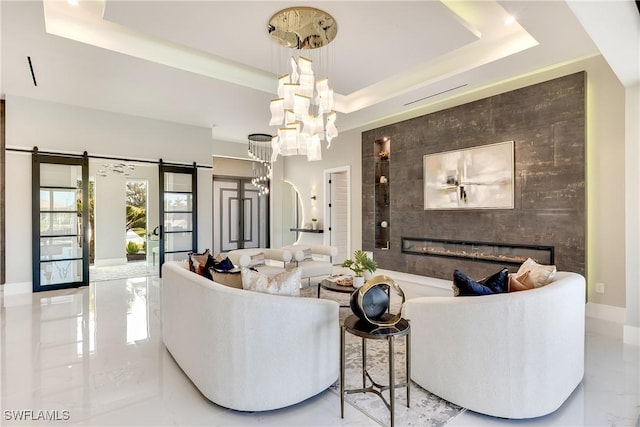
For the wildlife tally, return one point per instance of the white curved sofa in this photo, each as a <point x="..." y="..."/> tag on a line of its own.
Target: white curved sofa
<point x="245" y="350"/>
<point x="512" y="355"/>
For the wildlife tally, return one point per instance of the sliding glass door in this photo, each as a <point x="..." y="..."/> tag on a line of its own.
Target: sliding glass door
<point x="178" y="212"/>
<point x="60" y="221"/>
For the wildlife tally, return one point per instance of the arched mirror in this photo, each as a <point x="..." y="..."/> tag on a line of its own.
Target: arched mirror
<point x="291" y="214"/>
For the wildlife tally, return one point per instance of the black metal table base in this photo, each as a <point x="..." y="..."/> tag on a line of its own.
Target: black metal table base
<point x="354" y="326"/>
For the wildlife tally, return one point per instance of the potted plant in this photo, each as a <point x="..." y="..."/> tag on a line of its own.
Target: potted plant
<point x="360" y="264"/>
<point x="132" y="249"/>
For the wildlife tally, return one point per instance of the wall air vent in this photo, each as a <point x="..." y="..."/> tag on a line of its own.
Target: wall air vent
<point x="33" y="74"/>
<point x="435" y="94"/>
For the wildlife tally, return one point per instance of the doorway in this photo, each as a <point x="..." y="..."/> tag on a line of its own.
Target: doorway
<point x="136" y="219"/>
<point x="124" y="200"/>
<point x="240" y="215"/>
<point x="338" y="211"/>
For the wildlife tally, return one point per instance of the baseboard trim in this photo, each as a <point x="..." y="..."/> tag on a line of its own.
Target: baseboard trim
<point x="609" y="313"/>
<point x="631" y="335"/>
<point x="415" y="278"/>
<point x="17" y="288"/>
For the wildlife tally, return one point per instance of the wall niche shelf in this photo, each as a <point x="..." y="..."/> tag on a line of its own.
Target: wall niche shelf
<point x="307" y="230"/>
<point x="382" y="194"/>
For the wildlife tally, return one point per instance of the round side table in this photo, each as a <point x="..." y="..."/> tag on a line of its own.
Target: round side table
<point x="365" y="330"/>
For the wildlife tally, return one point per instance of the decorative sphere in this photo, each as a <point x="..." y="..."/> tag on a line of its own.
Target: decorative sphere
<point x="375" y="302"/>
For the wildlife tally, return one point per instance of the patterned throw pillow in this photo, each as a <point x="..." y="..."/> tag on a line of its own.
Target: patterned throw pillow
<point x="205" y="270"/>
<point x="539" y="274"/>
<point x="307" y="254"/>
<point x="256" y="260"/>
<point x="464" y="285"/>
<point x="196" y="260"/>
<point x="520" y="282"/>
<point x="286" y="283"/>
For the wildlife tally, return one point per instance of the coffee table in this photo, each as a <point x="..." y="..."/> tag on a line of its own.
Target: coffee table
<point x="331" y="285"/>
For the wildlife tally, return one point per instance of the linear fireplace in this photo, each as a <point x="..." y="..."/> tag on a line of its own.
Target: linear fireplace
<point x="502" y="253"/>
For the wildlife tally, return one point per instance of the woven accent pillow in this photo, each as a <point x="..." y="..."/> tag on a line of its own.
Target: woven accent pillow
<point x="539" y="274"/>
<point x="286" y="283"/>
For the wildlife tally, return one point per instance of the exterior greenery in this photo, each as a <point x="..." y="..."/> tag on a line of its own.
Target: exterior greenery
<point x="133" y="248"/>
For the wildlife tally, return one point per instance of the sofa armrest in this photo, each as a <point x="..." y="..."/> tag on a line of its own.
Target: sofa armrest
<point x="278" y="255"/>
<point x="322" y="250"/>
<point x="242" y="257"/>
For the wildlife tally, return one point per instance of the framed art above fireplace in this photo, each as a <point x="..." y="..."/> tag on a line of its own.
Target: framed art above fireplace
<point x="473" y="178"/>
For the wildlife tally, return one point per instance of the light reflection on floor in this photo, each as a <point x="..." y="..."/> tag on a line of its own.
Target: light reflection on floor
<point x="96" y="352"/>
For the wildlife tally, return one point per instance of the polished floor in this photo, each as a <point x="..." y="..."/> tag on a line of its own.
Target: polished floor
<point x="93" y="356"/>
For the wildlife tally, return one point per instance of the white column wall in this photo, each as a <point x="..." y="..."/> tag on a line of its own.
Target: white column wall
<point x="110" y="219"/>
<point x="631" y="333"/>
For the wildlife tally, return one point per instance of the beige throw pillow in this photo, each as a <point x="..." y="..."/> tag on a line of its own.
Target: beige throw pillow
<point x="539" y="274"/>
<point x="520" y="283"/>
<point x="286" y="283"/>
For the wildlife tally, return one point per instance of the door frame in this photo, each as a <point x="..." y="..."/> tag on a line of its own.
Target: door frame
<point x="327" y="208"/>
<point x="187" y="170"/>
<point x="241" y="181"/>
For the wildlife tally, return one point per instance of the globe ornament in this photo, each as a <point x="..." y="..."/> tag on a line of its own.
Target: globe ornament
<point x="371" y="301"/>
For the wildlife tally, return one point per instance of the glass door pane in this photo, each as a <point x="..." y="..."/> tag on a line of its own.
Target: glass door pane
<point x="178" y="206"/>
<point x="60" y="255"/>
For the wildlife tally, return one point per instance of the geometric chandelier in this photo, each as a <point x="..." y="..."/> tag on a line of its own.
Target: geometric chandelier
<point x="260" y="151"/>
<point x="303" y="110"/>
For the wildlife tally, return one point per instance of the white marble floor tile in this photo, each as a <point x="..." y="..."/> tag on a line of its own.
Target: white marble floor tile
<point x="97" y="353"/>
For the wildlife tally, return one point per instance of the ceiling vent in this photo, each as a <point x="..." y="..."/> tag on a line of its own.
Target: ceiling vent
<point x="435" y="94"/>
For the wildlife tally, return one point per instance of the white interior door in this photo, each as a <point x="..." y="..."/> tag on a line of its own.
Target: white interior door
<point x="339" y="213"/>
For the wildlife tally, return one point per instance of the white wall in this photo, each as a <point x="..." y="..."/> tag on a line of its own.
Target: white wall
<point x="18" y="222"/>
<point x="632" y="197"/>
<point x="308" y="179"/>
<point x="64" y="128"/>
<point x="109" y="217"/>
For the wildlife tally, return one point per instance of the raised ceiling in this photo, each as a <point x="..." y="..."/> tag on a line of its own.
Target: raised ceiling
<point x="212" y="63"/>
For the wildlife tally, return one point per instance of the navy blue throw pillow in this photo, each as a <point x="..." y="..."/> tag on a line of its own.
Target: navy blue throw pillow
<point x="495" y="284"/>
<point x="224" y="265"/>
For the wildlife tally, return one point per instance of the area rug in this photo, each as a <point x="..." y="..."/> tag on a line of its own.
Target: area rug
<point x="425" y="409"/>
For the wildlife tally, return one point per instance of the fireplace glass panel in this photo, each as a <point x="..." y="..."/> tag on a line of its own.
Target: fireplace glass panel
<point x="504" y="253"/>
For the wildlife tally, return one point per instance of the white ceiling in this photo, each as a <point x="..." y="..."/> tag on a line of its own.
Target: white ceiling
<point x="209" y="63"/>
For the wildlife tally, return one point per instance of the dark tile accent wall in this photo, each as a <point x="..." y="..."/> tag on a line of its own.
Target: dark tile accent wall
<point x="547" y="123"/>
